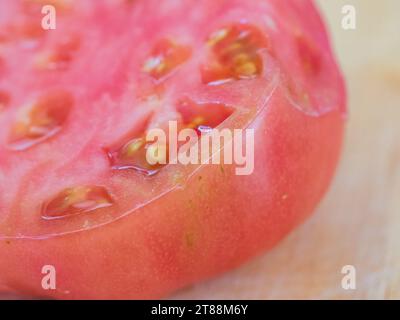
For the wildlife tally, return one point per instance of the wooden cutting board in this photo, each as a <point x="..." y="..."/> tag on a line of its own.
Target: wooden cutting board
<point x="358" y="222"/>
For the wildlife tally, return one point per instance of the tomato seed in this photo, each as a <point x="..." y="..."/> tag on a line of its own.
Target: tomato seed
<point x="132" y="155"/>
<point x="166" y="57"/>
<point x="234" y="54"/>
<point x="42" y="121"/>
<point x="202" y="116"/>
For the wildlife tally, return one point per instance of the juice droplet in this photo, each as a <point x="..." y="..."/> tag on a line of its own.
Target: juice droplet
<point x="41" y="121"/>
<point x="234" y="54"/>
<point x="165" y="58"/>
<point x="76" y="200"/>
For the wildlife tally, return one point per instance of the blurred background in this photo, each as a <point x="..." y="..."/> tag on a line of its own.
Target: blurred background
<point x="358" y="222"/>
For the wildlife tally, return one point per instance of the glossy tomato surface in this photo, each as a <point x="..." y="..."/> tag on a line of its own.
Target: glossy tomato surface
<point x="75" y="102"/>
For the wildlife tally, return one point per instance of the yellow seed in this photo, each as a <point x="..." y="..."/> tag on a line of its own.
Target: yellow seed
<point x="234" y="47"/>
<point x="246" y="69"/>
<point x="133" y="147"/>
<point x="196" y="122"/>
<point x="241" y="58"/>
<point x="161" y="68"/>
<point x="76" y="195"/>
<point x="165" y="57"/>
<point x="217" y="37"/>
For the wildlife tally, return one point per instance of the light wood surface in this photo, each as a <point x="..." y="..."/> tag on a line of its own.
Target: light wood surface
<point x="358" y="222"/>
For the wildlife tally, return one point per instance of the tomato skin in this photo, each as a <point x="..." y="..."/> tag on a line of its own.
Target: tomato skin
<point x="216" y="222"/>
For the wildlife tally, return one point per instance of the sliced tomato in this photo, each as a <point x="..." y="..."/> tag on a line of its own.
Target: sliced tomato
<point x="76" y="191"/>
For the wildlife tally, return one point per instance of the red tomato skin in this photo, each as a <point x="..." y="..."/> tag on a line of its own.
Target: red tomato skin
<point x="214" y="223"/>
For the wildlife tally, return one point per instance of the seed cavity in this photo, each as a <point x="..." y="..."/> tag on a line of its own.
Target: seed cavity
<point x="234" y="54"/>
<point x="203" y="117"/>
<point x="300" y="96"/>
<point x="60" y="57"/>
<point x="76" y="200"/>
<point x="41" y="121"/>
<point x="165" y="57"/>
<point x="149" y="158"/>
<point x="133" y="155"/>
<point x="309" y="56"/>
